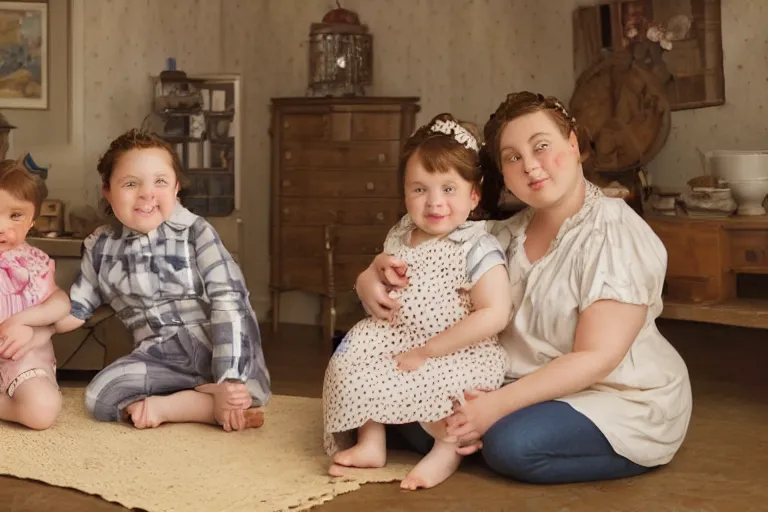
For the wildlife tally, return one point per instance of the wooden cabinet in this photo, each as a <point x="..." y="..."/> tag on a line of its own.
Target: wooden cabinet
<point x="705" y="256"/>
<point x="207" y="140"/>
<point x="336" y="190"/>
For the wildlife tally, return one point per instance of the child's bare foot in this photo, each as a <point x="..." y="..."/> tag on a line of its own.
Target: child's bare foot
<point x="336" y="470"/>
<point x="440" y="463"/>
<point x="362" y="455"/>
<point x="144" y="413"/>
<point x="254" y="418"/>
<point x="369" y="452"/>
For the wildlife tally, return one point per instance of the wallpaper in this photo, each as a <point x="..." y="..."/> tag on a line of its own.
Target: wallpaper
<point x="461" y="56"/>
<point x="126" y="42"/>
<point x="742" y="123"/>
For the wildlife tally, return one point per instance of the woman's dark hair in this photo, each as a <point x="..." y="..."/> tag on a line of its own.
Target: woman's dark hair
<point x="516" y="105"/>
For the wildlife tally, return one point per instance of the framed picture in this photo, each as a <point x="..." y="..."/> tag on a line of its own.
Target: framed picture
<point x="24" y="55"/>
<point x="693" y="57"/>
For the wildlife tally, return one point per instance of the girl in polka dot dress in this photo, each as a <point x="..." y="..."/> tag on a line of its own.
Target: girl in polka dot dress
<point x="442" y="340"/>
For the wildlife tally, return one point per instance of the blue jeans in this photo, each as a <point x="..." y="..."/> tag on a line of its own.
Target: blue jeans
<point x="546" y="443"/>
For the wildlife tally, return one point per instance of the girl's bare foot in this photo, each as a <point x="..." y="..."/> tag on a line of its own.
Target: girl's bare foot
<point x="369" y="452"/>
<point x="145" y="413"/>
<point x="440" y="463"/>
<point x="362" y="455"/>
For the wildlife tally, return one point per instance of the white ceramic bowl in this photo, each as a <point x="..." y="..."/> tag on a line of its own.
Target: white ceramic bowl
<point x="737" y="165"/>
<point x="749" y="195"/>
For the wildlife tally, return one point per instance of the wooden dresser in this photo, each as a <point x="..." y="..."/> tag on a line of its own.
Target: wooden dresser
<point x="336" y="190"/>
<point x="706" y="260"/>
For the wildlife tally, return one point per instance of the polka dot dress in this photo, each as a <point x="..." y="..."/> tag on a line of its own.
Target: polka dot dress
<point x="362" y="381"/>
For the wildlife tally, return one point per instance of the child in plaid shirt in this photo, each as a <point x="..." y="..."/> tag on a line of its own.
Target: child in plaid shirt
<point x="166" y="273"/>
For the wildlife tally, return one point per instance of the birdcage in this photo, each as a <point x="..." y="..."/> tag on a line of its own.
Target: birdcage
<point x="340" y="59"/>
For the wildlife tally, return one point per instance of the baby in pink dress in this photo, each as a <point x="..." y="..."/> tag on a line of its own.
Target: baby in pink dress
<point x="30" y="303"/>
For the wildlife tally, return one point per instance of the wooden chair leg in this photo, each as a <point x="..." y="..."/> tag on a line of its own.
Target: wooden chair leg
<point x="275" y="311"/>
<point x="329" y="324"/>
<point x="329" y="300"/>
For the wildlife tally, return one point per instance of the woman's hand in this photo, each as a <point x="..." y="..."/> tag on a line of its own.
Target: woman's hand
<point x="391" y="271"/>
<point x="470" y="421"/>
<point x="374" y="282"/>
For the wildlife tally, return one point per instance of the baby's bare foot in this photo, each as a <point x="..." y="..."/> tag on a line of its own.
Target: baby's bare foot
<point x="144" y="413"/>
<point x="361" y="456"/>
<point x="336" y="470"/>
<point x="440" y="463"/>
<point x="254" y="418"/>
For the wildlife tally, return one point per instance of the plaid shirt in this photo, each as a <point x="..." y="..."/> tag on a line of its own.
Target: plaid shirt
<point x="178" y="276"/>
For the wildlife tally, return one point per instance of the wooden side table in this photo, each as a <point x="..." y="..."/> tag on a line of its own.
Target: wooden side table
<point x="705" y="256"/>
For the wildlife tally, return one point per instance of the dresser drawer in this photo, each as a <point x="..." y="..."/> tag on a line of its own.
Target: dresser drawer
<point x="347" y="240"/>
<point x="320" y="212"/>
<point x="375" y="126"/>
<point x="340" y="154"/>
<point x="308" y="273"/>
<point x="748" y="250"/>
<point x="322" y="183"/>
<point x="305" y="126"/>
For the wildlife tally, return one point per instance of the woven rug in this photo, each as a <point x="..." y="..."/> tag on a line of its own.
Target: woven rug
<point x="189" y="468"/>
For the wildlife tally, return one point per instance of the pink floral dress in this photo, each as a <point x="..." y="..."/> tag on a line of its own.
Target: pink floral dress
<point x="26" y="280"/>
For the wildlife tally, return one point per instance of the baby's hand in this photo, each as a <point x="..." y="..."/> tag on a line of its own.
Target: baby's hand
<point x="237" y="395"/>
<point x="231" y="396"/>
<point x="231" y="420"/>
<point x="411" y="360"/>
<point x="13" y="337"/>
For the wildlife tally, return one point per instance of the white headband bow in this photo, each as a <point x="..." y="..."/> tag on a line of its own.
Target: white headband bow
<point x="459" y="133"/>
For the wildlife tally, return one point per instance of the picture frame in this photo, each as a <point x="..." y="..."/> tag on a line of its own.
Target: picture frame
<point x="24" y="55"/>
<point x="694" y="63"/>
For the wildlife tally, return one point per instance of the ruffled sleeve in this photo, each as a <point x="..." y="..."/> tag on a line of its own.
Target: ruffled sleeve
<point x="622" y="260"/>
<point x="483" y="250"/>
<point x="484" y="254"/>
<point x="28" y="272"/>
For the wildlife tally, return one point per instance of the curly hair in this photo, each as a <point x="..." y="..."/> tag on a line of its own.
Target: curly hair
<point x="137" y="139"/>
<point x="440" y="152"/>
<point x="516" y="105"/>
<point x="21" y="184"/>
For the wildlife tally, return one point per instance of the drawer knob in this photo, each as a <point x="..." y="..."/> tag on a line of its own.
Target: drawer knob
<point x="370" y="185"/>
<point x="377" y="250"/>
<point x="382" y="158"/>
<point x="286" y="211"/>
<point x="751" y="255"/>
<point x="380" y="216"/>
<point x="333" y="214"/>
<point x="286" y="125"/>
<point x="288" y="155"/>
<point x="286" y="183"/>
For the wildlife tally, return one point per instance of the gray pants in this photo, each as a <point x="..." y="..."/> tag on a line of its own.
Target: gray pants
<point x="179" y="363"/>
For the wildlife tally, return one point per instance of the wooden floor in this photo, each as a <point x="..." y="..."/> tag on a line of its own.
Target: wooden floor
<point x="721" y="467"/>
